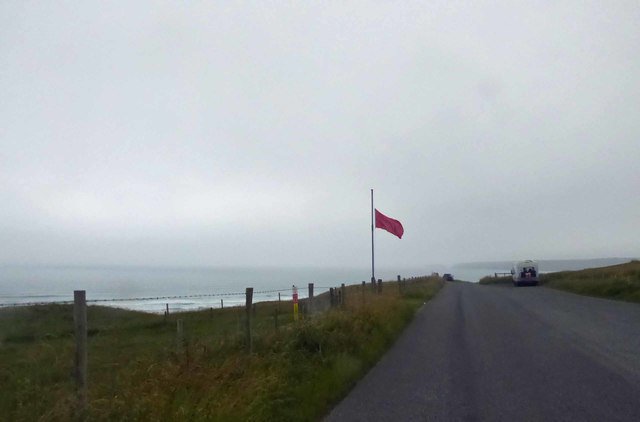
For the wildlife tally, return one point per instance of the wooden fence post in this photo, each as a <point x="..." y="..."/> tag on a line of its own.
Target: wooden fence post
<point x="399" y="284"/>
<point x="364" y="284"/>
<point x="343" y="297"/>
<point x="249" y="295"/>
<point x="331" y="297"/>
<point x="179" y="335"/>
<point x="310" y="300"/>
<point x="80" y="328"/>
<point x="221" y="304"/>
<point x="379" y="286"/>
<point x="277" y="311"/>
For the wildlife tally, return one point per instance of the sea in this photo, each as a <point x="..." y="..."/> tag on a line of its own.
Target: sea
<point x="153" y="289"/>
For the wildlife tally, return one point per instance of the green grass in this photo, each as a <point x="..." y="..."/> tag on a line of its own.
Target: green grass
<point x="620" y="282"/>
<point x="138" y="372"/>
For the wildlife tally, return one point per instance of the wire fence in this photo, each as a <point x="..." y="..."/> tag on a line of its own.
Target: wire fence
<point x="163" y="302"/>
<point x="198" y="335"/>
<point x="240" y="295"/>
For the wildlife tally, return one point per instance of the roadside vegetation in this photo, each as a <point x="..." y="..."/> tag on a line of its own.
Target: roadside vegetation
<point x="139" y="371"/>
<point x="621" y="282"/>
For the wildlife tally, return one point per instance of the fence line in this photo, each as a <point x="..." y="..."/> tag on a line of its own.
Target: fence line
<point x="140" y="299"/>
<point x="193" y="296"/>
<point x="337" y="297"/>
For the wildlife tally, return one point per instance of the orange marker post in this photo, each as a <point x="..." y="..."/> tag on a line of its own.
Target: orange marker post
<point x="295" y="303"/>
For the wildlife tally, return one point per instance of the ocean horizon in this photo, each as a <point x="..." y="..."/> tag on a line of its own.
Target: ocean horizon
<point x="152" y="288"/>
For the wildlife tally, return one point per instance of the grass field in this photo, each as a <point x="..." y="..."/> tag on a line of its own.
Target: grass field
<point x="621" y="282"/>
<point x="138" y="371"/>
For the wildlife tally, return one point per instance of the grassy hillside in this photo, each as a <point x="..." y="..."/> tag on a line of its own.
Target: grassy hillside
<point x="620" y="282"/>
<point x="138" y="371"/>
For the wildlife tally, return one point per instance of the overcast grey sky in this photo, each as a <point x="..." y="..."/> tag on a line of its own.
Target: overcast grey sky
<point x="225" y="133"/>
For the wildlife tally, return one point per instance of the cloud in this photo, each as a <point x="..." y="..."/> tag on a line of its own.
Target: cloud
<point x="212" y="134"/>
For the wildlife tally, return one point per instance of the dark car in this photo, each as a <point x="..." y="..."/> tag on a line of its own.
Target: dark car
<point x="447" y="277"/>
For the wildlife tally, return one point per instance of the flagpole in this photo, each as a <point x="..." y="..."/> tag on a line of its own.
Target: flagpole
<point x="373" y="276"/>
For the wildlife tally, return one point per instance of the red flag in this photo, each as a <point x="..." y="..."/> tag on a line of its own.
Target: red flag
<point x="389" y="224"/>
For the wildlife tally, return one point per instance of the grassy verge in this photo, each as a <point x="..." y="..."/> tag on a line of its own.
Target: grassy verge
<point x="297" y="371"/>
<point x="621" y="282"/>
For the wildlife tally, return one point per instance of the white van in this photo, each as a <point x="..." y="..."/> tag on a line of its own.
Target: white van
<point x="525" y="272"/>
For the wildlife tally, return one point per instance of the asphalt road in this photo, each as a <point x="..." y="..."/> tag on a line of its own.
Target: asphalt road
<point x="499" y="353"/>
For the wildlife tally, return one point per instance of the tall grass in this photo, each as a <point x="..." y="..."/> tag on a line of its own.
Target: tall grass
<point x="138" y="372"/>
<point x="621" y="282"/>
